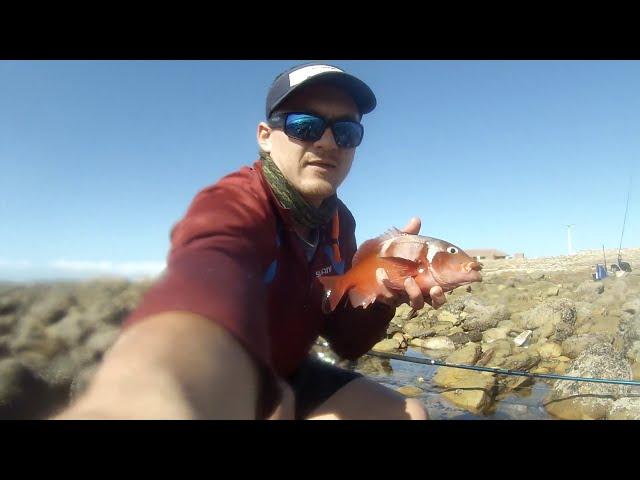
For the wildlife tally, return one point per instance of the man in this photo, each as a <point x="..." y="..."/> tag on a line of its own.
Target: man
<point x="226" y="331"/>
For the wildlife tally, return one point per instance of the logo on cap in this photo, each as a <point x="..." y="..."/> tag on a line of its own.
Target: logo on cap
<point x="301" y="75"/>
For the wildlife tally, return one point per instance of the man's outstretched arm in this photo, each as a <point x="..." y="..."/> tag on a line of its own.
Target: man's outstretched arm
<point x="174" y="365"/>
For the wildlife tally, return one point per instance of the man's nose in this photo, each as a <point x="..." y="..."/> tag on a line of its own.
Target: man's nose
<point x="327" y="140"/>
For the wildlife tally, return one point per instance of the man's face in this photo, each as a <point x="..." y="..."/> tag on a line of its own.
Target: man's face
<point x="315" y="169"/>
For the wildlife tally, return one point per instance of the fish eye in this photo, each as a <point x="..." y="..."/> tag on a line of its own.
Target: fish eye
<point x="452" y="250"/>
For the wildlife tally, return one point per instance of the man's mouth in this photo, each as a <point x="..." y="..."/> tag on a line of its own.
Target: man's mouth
<point x="323" y="164"/>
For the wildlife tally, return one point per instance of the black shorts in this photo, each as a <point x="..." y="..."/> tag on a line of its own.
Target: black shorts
<point x="314" y="382"/>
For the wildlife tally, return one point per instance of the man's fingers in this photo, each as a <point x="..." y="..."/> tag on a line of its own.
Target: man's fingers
<point x="416" y="300"/>
<point x="381" y="277"/>
<point x="413" y="227"/>
<point x="437" y="297"/>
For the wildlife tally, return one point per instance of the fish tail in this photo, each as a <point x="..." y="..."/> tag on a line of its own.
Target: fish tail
<point x="334" y="290"/>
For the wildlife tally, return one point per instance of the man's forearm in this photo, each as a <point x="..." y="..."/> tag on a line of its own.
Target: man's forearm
<point x="171" y="367"/>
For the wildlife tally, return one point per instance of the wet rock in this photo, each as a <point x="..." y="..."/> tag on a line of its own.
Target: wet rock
<point x="374" y="366"/>
<point x="495" y="353"/>
<point x="467" y="355"/>
<point x="438" y="343"/>
<point x="521" y="360"/>
<point x="588" y="400"/>
<point x="472" y="391"/>
<point x="418" y="330"/>
<point x="410" y="391"/>
<point x="387" y="345"/>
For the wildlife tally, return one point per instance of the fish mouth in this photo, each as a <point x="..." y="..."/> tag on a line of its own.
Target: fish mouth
<point x="473" y="266"/>
<point x="471" y="275"/>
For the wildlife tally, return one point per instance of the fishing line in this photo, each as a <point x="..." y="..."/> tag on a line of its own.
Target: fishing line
<point x="501" y="371"/>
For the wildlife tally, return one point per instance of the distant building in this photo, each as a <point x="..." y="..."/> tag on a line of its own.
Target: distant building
<point x="488" y="253"/>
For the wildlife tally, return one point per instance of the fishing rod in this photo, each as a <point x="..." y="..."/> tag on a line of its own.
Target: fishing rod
<point x="626" y="210"/>
<point x="501" y="371"/>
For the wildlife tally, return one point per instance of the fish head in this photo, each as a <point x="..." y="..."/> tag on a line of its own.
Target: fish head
<point x="450" y="266"/>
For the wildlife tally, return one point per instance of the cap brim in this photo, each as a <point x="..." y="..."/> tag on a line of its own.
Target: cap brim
<point x="358" y="90"/>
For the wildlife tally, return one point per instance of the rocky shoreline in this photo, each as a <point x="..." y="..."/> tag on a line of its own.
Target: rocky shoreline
<point x="541" y="316"/>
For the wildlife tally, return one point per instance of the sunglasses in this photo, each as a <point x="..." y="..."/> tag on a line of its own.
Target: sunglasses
<point x="310" y="128"/>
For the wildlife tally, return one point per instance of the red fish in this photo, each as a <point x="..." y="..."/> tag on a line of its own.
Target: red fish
<point x="429" y="261"/>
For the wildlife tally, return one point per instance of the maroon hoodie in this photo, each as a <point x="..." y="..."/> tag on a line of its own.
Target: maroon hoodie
<point x="236" y="260"/>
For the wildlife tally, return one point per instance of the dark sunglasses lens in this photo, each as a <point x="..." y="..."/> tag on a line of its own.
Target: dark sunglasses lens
<point x="304" y="127"/>
<point x="348" y="134"/>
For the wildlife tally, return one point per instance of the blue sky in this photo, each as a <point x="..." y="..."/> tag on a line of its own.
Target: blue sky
<point x="100" y="158"/>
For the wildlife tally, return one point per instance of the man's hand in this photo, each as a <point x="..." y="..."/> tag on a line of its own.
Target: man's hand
<point x="412" y="293"/>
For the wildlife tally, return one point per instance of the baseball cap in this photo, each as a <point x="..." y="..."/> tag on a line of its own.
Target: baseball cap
<point x="301" y="76"/>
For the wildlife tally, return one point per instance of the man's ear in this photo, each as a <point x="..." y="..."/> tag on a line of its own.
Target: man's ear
<point x="264" y="137"/>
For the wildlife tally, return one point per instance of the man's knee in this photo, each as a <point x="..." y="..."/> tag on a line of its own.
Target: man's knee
<point x="416" y="410"/>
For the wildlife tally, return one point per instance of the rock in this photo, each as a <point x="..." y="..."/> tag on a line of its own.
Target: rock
<point x="548" y="350"/>
<point x="387" y="345"/>
<point x="635" y="369"/>
<point x="552" y="292"/>
<point x="633" y="352"/>
<point x="460" y="338"/>
<point x="472" y="391"/>
<point x="8" y="322"/>
<point x="574" y="346"/>
<point x="368" y="365"/>
<point x="555" y="317"/>
<point x="479" y="316"/>
<point x="467" y="355"/>
<point x="495" y="353"/>
<point x="52" y="307"/>
<point x="399" y="337"/>
<point x="410" y="391"/>
<point x="102" y="340"/>
<point x="438" y="343"/>
<point x="625" y="409"/>
<point x="589" y="400"/>
<point x="475" y="335"/>
<point x="72" y="330"/>
<point x="446" y="316"/>
<point x="417" y="330"/>
<point x="590" y="288"/>
<point x="22" y="394"/>
<point x="523" y="338"/>
<point x="82" y="380"/>
<point x="441" y="329"/>
<point x="521" y="360"/>
<point x="493" y="334"/>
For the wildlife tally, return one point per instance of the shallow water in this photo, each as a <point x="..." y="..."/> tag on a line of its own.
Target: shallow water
<point x="524" y="405"/>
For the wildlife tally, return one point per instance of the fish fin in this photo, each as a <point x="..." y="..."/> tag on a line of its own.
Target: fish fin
<point x="398" y="269"/>
<point x="361" y="298"/>
<point x="409" y="247"/>
<point x="333" y="292"/>
<point x="411" y="315"/>
<point x="372" y="247"/>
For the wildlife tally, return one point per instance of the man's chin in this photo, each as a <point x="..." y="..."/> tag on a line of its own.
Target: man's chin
<point x="317" y="190"/>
